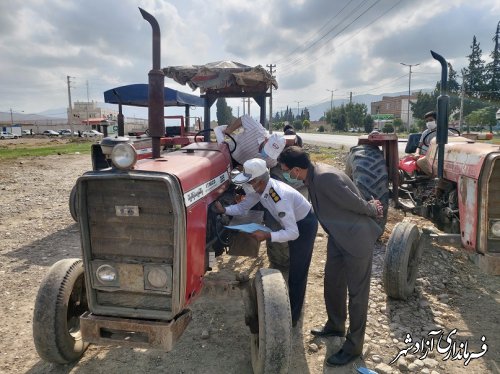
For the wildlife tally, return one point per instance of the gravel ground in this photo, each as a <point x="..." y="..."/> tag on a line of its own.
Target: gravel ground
<point x="36" y="230"/>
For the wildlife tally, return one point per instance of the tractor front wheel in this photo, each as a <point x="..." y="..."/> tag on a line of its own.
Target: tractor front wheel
<point x="402" y="257"/>
<point x="60" y="302"/>
<point x="271" y="346"/>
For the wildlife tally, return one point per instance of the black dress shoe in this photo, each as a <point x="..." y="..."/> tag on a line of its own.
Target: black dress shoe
<point x="323" y="331"/>
<point x="340" y="358"/>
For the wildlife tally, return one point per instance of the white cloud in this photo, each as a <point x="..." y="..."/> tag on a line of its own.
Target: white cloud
<point x="317" y="45"/>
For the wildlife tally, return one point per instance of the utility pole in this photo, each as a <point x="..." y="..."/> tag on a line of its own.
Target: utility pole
<point x="248" y="106"/>
<point x="244" y="100"/>
<point x="331" y="107"/>
<point x="70" y="114"/>
<point x="87" y="106"/>
<point x="298" y="102"/>
<point x="409" y="91"/>
<point x="271" y="71"/>
<point x="11" y="118"/>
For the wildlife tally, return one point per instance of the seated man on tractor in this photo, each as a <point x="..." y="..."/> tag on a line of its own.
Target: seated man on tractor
<point x="430" y="119"/>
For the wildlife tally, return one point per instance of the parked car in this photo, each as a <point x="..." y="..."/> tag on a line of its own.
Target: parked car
<point x="7" y="135"/>
<point x="50" y="133"/>
<point x="67" y="132"/>
<point x="92" y="133"/>
<point x="27" y="132"/>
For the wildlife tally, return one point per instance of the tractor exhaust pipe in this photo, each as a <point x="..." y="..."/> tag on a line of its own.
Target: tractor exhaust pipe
<point x="442" y="113"/>
<point x="156" y="77"/>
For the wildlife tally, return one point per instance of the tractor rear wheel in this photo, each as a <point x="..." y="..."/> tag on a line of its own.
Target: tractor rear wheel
<point x="60" y="302"/>
<point x="272" y="346"/>
<point x="366" y="167"/>
<point x="402" y="257"/>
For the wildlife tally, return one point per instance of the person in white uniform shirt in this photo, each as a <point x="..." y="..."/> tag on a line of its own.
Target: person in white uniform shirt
<point x="292" y="211"/>
<point x="253" y="142"/>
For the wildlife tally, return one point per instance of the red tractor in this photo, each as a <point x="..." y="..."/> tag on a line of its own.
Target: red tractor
<point x="456" y="185"/>
<point x="148" y="237"/>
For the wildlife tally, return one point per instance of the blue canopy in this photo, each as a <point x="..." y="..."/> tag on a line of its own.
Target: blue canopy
<point x="137" y="95"/>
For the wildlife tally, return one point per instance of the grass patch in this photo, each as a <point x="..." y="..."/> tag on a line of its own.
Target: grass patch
<point x="46" y="150"/>
<point x="327" y="155"/>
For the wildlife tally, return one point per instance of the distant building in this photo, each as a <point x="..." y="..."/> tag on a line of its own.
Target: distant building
<point x="90" y="113"/>
<point x="396" y="106"/>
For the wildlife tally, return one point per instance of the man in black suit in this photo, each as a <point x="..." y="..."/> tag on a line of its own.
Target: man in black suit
<point x="348" y="219"/>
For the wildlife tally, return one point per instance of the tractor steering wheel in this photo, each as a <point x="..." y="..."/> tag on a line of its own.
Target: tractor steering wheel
<point x="205" y="130"/>
<point x="427" y="139"/>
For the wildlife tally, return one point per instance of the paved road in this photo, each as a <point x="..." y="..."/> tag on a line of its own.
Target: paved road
<point x="338" y="140"/>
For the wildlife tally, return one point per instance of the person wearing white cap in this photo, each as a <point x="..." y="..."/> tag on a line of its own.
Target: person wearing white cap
<point x="253" y="142"/>
<point x="292" y="211"/>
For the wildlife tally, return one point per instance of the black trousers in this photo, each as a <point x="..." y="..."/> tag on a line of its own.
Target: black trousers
<point x="300" y="258"/>
<point x="344" y="274"/>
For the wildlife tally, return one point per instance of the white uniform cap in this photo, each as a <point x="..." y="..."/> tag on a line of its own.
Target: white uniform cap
<point x="274" y="146"/>
<point x="252" y="169"/>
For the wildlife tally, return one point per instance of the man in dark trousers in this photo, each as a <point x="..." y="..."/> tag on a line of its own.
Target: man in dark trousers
<point x="298" y="225"/>
<point x="348" y="220"/>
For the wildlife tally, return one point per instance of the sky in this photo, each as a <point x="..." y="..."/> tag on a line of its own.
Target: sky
<point x="318" y="46"/>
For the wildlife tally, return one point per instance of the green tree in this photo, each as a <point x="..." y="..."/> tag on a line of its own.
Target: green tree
<point x="306" y="124"/>
<point x="297" y="124"/>
<point x="388" y="128"/>
<point x="493" y="70"/>
<point x="474" y="73"/>
<point x="425" y="103"/>
<point x="368" y="123"/>
<point x="398" y="123"/>
<point x="355" y="114"/>
<point x="321" y="128"/>
<point x="307" y="115"/>
<point x="224" y="112"/>
<point x="482" y="117"/>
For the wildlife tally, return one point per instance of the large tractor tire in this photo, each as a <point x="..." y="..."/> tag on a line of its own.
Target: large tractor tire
<point x="73" y="203"/>
<point x="366" y="167"/>
<point x="272" y="346"/>
<point x="60" y="302"/>
<point x="402" y="257"/>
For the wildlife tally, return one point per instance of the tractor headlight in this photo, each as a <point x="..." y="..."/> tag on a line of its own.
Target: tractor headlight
<point x="158" y="278"/>
<point x="106" y="274"/>
<point x="495" y="228"/>
<point x="124" y="156"/>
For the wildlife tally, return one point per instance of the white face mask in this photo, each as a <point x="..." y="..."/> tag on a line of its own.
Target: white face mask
<point x="431" y="125"/>
<point x="247" y="187"/>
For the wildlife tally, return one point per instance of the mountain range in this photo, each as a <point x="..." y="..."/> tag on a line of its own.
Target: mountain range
<point x="315" y="111"/>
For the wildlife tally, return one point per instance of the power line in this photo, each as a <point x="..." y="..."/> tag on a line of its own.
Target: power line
<point x="316" y="33"/>
<point x="301" y="58"/>
<point x="298" y="66"/>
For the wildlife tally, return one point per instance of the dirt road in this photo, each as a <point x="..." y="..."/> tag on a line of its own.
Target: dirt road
<point x="36" y="230"/>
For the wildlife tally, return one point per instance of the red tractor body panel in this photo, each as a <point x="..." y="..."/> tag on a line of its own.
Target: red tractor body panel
<point x="203" y="172"/>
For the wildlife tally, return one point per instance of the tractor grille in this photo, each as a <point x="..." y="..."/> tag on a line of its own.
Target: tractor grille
<point x="130" y="242"/>
<point x="148" y="235"/>
<point x="494" y="202"/>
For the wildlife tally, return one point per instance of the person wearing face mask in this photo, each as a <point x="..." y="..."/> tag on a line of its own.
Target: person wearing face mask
<point x="430" y="119"/>
<point x="253" y="141"/>
<point x="298" y="223"/>
<point x="348" y="219"/>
